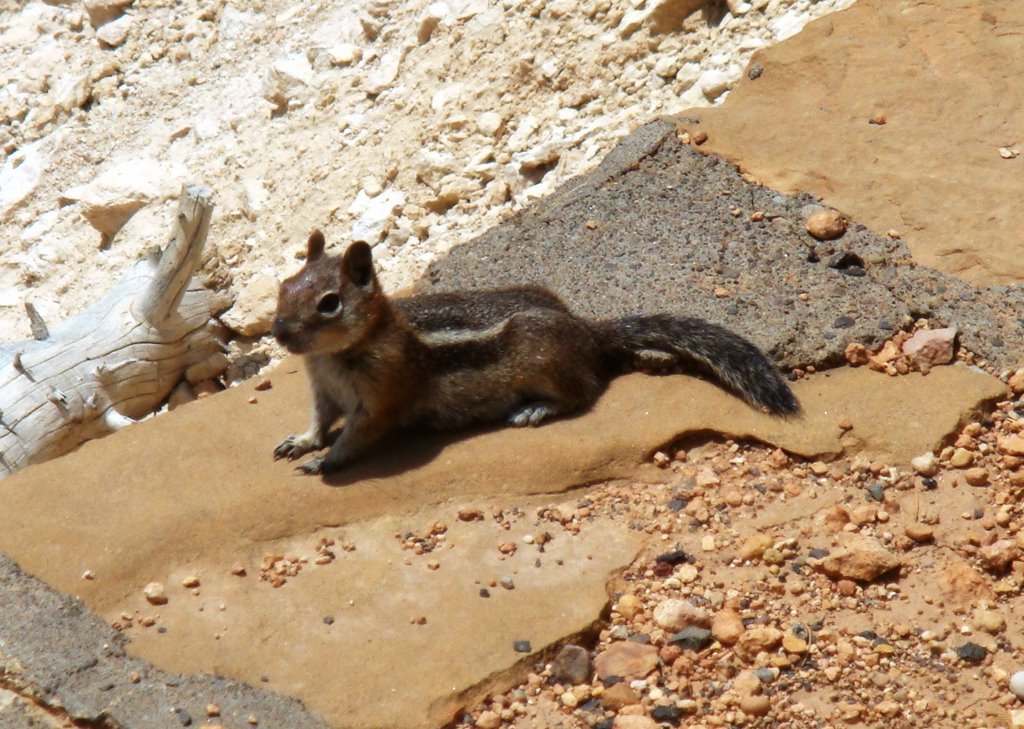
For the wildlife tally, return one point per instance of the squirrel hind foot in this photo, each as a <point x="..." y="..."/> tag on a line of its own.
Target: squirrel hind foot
<point x="532" y="414"/>
<point x="312" y="467"/>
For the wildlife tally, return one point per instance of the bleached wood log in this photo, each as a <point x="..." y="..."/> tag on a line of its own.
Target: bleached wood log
<point x="119" y="359"/>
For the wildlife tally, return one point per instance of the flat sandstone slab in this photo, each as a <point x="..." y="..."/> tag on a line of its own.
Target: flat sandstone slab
<point x="193" y="492"/>
<point x="62" y="662"/>
<point x="937" y="75"/>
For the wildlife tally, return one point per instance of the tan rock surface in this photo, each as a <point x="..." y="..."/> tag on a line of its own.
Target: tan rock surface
<point x="933" y="170"/>
<point x="195" y="492"/>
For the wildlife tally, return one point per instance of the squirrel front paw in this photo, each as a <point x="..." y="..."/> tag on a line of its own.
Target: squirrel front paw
<point x="294" y="446"/>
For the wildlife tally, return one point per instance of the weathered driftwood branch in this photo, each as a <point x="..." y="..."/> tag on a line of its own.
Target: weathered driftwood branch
<point x="117" y="360"/>
<point x="180" y="258"/>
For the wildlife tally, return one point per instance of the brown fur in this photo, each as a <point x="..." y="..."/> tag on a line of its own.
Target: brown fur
<point x="449" y="360"/>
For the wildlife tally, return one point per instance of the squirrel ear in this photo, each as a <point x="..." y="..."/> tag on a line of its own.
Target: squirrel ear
<point x="357" y="264"/>
<point x="315" y="245"/>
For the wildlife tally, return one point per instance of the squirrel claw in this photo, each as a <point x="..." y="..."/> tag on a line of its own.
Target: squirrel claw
<point x="285" y="450"/>
<point x="312" y="467"/>
<point x="291" y="448"/>
<point x="532" y="414"/>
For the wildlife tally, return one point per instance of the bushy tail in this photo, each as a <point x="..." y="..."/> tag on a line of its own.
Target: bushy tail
<point x="641" y="342"/>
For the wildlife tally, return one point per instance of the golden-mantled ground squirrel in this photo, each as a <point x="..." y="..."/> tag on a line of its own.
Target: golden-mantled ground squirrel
<point x="452" y="359"/>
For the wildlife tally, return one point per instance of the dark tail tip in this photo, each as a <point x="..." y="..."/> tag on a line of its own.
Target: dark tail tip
<point x="778" y="398"/>
<point x="787" y="405"/>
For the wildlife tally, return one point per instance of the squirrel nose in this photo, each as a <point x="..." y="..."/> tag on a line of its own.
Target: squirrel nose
<point x="280" y="329"/>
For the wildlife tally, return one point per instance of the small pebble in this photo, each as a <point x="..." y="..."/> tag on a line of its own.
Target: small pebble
<point x="925" y="465"/>
<point x="1017" y="684"/>
<point x="686" y="573"/>
<point x="488" y="720"/>
<point x="619" y="632"/>
<point x="826" y="225"/>
<point x="920" y="533"/>
<point x="765" y="675"/>
<point x="470" y="512"/>
<point x="155" y="593"/>
<point x="971" y="653"/>
<point x="961" y="458"/>
<point x="674" y="557"/>
<point x="628" y="605"/>
<point x="667" y="714"/>
<point x="572" y="665"/>
<point x="507" y="583"/>
<point x="755" y="705"/>
<point x="976" y="476"/>
<point x="793" y="644"/>
<point x="727" y="627"/>
<point x="521" y="646"/>
<point x="692" y="638"/>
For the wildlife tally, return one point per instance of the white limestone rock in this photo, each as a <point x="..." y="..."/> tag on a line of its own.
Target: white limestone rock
<point x="119" y="191"/>
<point x="253" y="311"/>
<point x="376" y="215"/>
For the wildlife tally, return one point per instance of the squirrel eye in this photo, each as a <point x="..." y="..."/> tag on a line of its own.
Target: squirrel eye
<point x="329" y="304"/>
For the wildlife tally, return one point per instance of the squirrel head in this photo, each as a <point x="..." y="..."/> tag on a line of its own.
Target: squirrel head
<point x="332" y="303"/>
